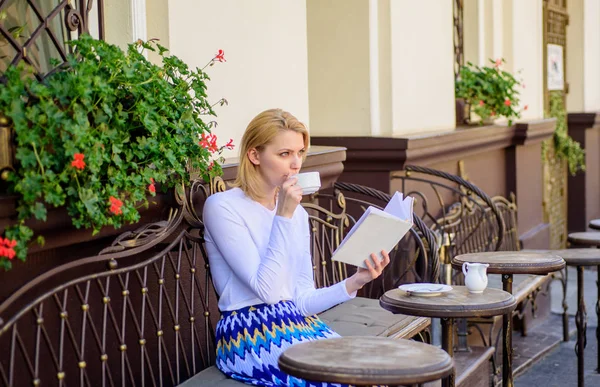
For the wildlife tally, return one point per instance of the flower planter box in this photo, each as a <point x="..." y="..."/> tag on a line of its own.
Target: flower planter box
<point x="64" y="242"/>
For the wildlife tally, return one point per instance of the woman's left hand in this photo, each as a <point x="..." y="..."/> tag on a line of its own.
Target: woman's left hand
<point x="364" y="276"/>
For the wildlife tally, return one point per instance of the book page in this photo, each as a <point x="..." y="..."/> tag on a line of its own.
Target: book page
<point x="401" y="207"/>
<point x="375" y="231"/>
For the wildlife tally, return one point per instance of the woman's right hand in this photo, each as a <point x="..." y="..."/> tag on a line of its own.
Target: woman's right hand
<point x="290" y="196"/>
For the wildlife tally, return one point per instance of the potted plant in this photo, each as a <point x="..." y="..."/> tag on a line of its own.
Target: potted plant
<point x="488" y="91"/>
<point x="98" y="136"/>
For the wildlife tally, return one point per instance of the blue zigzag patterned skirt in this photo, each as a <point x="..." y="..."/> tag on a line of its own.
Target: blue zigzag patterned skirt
<point x="250" y="340"/>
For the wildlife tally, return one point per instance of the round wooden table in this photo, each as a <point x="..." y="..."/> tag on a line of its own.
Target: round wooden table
<point x="585" y="238"/>
<point x="366" y="361"/>
<point x="594" y="224"/>
<point x="581" y="258"/>
<point x="457" y="303"/>
<point x="508" y="263"/>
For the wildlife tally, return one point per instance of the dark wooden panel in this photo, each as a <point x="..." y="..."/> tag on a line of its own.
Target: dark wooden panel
<point x="498" y="159"/>
<point x="583" y="188"/>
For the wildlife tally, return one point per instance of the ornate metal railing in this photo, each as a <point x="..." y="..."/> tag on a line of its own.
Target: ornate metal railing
<point x="144" y="311"/>
<point x="460" y="212"/>
<point x="414" y="259"/>
<point x="36" y="32"/>
<point x="141" y="312"/>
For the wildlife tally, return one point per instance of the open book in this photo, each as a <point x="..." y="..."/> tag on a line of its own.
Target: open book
<point x="376" y="230"/>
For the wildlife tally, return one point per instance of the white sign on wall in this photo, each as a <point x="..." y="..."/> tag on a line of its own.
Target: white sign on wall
<point x="556" y="75"/>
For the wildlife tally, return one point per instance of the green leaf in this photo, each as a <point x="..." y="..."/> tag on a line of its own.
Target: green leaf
<point x="131" y="119"/>
<point x="39" y="211"/>
<point x="89" y="200"/>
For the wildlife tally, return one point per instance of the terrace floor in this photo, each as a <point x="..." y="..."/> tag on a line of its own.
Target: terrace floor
<point x="559" y="365"/>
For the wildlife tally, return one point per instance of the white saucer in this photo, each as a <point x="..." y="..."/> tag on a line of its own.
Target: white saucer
<point x="425" y="289"/>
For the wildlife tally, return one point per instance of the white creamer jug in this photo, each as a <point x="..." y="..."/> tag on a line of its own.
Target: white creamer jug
<point x="475" y="276"/>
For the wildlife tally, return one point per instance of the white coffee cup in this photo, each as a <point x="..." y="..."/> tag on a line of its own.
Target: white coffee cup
<point x="309" y="181"/>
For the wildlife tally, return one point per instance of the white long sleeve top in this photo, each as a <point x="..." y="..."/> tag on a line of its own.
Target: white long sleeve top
<point x="259" y="257"/>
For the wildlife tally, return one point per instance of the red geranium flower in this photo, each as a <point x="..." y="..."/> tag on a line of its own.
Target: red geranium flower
<point x="151" y="187"/>
<point x="78" y="161"/>
<point x="507" y="102"/>
<point x="209" y="142"/>
<point x="7" y="248"/>
<point x="10" y="243"/>
<point x="220" y="56"/>
<point x="481" y="103"/>
<point x="115" y="205"/>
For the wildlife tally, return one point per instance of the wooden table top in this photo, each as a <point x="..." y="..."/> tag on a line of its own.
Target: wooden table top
<point x="366" y="361"/>
<point x="580" y="257"/>
<point x="456" y="303"/>
<point x="513" y="262"/>
<point x="595" y="224"/>
<point x="589" y="238"/>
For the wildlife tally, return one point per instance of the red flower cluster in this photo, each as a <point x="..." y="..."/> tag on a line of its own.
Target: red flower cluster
<point x="7" y="248"/>
<point x="209" y="142"/>
<point x="229" y="145"/>
<point x="220" y="56"/>
<point x="151" y="187"/>
<point x="78" y="161"/>
<point x="481" y="103"/>
<point x="115" y="205"/>
<point x="507" y="102"/>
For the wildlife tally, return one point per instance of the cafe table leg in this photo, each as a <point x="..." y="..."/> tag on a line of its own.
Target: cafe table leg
<point x="507" y="376"/>
<point x="448" y="346"/>
<point x="598" y="315"/>
<point x="581" y="323"/>
<point x="565" y="305"/>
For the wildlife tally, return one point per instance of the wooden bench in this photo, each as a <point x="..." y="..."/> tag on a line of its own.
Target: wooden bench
<point x="144" y="311"/>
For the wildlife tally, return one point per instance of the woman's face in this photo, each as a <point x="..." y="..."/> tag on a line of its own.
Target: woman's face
<point x="281" y="158"/>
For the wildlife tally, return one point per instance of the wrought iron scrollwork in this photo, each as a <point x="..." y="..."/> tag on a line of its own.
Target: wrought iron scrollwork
<point x="454" y="208"/>
<point x="36" y="32"/>
<point x="147" y="293"/>
<point x="191" y="199"/>
<point x="73" y="18"/>
<point x="415" y="258"/>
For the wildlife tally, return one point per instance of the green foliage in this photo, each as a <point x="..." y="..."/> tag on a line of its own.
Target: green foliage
<point x="489" y="91"/>
<point x="130" y="123"/>
<point x="565" y="147"/>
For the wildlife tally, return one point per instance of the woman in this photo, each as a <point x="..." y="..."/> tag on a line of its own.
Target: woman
<point x="258" y="244"/>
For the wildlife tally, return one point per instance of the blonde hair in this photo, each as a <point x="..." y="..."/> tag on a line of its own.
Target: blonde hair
<point x="261" y="131"/>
